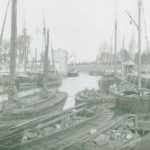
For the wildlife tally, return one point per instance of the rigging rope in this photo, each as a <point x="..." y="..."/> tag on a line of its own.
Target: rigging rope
<point x="4" y="22"/>
<point x="146" y="35"/>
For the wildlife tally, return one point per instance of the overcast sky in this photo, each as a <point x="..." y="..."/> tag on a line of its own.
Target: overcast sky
<point x="77" y="25"/>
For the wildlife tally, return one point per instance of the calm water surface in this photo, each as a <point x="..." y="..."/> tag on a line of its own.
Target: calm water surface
<point x="72" y="85"/>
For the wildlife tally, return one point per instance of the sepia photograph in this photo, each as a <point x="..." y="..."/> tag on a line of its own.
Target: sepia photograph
<point x="74" y="74"/>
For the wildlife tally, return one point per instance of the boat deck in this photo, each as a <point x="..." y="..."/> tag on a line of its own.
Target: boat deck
<point x="66" y="137"/>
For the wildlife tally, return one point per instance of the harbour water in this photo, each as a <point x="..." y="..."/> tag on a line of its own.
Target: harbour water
<point x="72" y="85"/>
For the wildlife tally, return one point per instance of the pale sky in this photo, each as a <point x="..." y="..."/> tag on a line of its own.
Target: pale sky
<point x="77" y="25"/>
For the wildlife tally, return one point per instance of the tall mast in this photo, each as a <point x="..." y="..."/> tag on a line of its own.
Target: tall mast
<point x="111" y="50"/>
<point x="25" y="45"/>
<point x="139" y="43"/>
<point x="25" y="49"/>
<point x="44" y="30"/>
<point x="74" y="63"/>
<point x="35" y="63"/>
<point x="138" y="26"/>
<point x="115" y="42"/>
<point x="53" y="61"/>
<point x="46" y="60"/>
<point x="35" y="53"/>
<point x="12" y="96"/>
<point x="146" y="37"/>
<point x="122" y="59"/>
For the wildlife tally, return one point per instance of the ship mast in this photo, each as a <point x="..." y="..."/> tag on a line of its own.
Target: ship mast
<point x="46" y="59"/>
<point x="25" y="45"/>
<point x="115" y="42"/>
<point x="74" y="63"/>
<point x="12" y="96"/>
<point x="146" y="38"/>
<point x="35" y="61"/>
<point x="139" y="43"/>
<point x="122" y="59"/>
<point x="111" y="51"/>
<point x="138" y="26"/>
<point x="46" y="53"/>
<point x="53" y="61"/>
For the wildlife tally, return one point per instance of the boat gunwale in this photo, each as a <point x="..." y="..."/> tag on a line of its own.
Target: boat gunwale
<point x="53" y="134"/>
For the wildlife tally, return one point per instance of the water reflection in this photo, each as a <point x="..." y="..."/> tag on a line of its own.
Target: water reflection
<point x="72" y="85"/>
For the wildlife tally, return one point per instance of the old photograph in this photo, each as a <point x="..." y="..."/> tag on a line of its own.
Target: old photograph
<point x="74" y="74"/>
